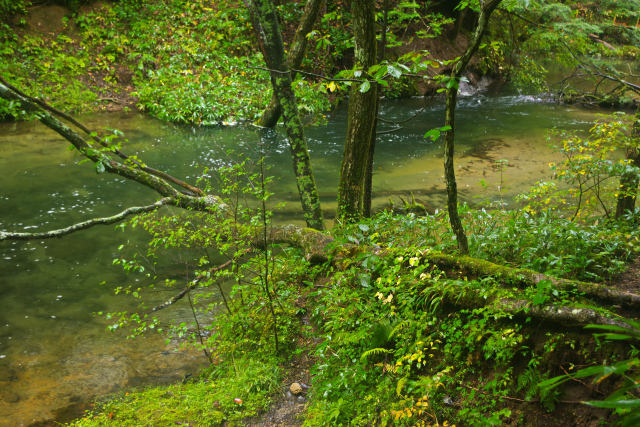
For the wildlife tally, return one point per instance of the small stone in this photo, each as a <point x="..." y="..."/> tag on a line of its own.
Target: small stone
<point x="301" y="399"/>
<point x="295" y="389"/>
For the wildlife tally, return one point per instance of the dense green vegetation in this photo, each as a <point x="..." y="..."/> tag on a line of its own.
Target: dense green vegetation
<point x="396" y="322"/>
<point x="186" y="62"/>
<point x="393" y="345"/>
<point x="191" y="63"/>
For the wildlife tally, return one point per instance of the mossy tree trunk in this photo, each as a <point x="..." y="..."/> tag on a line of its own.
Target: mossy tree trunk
<point x="368" y="183"/>
<point x="629" y="181"/>
<point x="452" y="97"/>
<point x="273" y="48"/>
<point x="295" y="55"/>
<point x="361" y="117"/>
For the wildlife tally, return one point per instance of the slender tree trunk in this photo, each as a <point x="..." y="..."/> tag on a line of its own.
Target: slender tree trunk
<point x="361" y="116"/>
<point x="629" y="181"/>
<point x="452" y="97"/>
<point x="271" y="114"/>
<point x="273" y="48"/>
<point x="368" y="183"/>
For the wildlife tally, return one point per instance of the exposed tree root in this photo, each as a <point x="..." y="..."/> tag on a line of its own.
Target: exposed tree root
<point x="314" y="244"/>
<point x="524" y="278"/>
<point x="567" y="316"/>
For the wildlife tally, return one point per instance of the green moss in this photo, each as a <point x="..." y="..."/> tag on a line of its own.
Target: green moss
<point x="210" y="400"/>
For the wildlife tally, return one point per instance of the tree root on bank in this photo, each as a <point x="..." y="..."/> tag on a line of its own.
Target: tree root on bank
<point x="524" y="278"/>
<point x="567" y="316"/>
<point x="314" y="245"/>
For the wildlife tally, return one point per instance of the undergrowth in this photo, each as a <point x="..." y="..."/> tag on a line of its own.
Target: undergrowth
<point x="186" y="62"/>
<point x="398" y="340"/>
<point x="403" y="343"/>
<point x="224" y="393"/>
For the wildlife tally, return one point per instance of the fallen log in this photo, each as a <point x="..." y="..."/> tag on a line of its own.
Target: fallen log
<point x="524" y="278"/>
<point x="565" y="315"/>
<point x="314" y="244"/>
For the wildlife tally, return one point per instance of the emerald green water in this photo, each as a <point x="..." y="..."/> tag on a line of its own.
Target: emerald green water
<point x="55" y="355"/>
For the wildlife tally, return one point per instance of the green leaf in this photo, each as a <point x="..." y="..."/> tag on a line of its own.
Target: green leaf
<point x="394" y="72"/>
<point x="365" y="280"/>
<point x="553" y="382"/>
<point x="614" y="337"/>
<point x="365" y="86"/>
<point x="100" y="167"/>
<point x="614" y="404"/>
<point x="363" y="227"/>
<point x="433" y="134"/>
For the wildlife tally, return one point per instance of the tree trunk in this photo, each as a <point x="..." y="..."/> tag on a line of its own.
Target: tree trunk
<point x="452" y="97"/>
<point x="368" y="183"/>
<point x="271" y="114"/>
<point x="271" y="38"/>
<point x="361" y="116"/>
<point x="629" y="181"/>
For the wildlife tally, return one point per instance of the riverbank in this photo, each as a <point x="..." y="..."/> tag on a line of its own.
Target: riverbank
<point x="384" y="342"/>
<point x="197" y="65"/>
<point x="60" y="277"/>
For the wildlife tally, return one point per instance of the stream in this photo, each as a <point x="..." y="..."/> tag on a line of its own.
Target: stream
<point x="55" y="353"/>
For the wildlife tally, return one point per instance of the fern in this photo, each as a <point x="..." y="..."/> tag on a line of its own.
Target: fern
<point x="374" y="352"/>
<point x="398" y="327"/>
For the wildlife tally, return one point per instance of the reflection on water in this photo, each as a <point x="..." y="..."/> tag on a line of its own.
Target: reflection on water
<point x="55" y="354"/>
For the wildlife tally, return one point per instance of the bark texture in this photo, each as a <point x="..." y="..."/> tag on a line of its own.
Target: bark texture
<point x="295" y="55"/>
<point x="368" y="182"/>
<point x="452" y="97"/>
<point x="271" y="38"/>
<point x="361" y="117"/>
<point x="629" y="181"/>
<point x="525" y="278"/>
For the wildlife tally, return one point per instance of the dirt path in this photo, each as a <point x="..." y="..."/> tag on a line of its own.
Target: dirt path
<point x="288" y="408"/>
<point x="629" y="280"/>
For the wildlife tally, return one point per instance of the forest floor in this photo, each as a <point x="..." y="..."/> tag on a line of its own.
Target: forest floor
<point x="286" y="411"/>
<point x="629" y="280"/>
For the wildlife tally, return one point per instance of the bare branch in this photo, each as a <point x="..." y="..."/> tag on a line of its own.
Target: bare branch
<point x="384" y="132"/>
<point x="87" y="224"/>
<point x="629" y="85"/>
<point x="399" y="122"/>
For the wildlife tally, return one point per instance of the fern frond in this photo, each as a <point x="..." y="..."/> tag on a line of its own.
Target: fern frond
<point x="374" y="352"/>
<point x="399" y="326"/>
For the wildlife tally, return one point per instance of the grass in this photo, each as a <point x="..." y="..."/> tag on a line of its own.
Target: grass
<point x="224" y="393"/>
